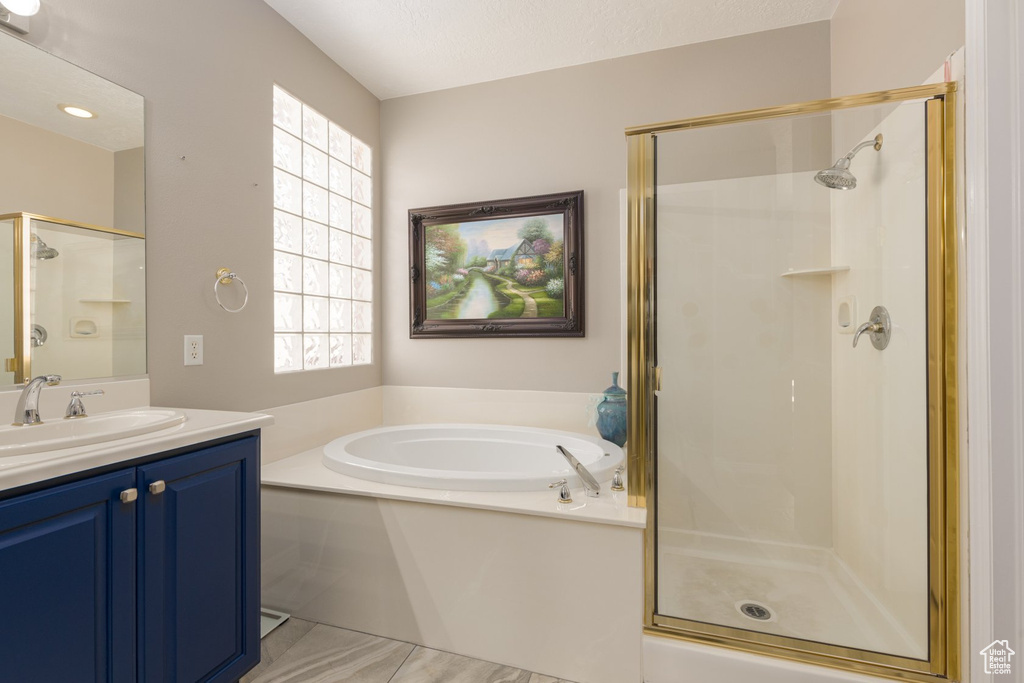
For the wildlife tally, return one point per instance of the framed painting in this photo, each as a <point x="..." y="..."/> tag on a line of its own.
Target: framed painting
<point x="505" y="268"/>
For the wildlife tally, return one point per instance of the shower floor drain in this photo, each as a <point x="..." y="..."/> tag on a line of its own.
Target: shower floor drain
<point x="755" y="610"/>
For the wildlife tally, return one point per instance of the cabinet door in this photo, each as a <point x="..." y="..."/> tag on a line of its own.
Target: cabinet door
<point x="67" y="583"/>
<point x="199" y="549"/>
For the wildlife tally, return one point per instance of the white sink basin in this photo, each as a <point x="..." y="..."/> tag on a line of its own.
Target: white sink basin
<point x="82" y="431"/>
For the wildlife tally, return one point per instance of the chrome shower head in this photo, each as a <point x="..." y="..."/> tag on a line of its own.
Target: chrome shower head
<point x="839" y="177"/>
<point x="40" y="251"/>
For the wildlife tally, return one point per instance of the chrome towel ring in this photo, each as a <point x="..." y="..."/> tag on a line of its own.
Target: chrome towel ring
<point x="225" y="277"/>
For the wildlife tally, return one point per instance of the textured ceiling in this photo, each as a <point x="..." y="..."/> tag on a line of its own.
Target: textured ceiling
<point x="34" y="82"/>
<point x="401" y="47"/>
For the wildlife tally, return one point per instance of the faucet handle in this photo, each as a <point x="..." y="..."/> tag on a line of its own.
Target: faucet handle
<point x="617" y="479"/>
<point x="878" y="328"/>
<point x="563" y="494"/>
<point x="76" y="408"/>
<point x="97" y="392"/>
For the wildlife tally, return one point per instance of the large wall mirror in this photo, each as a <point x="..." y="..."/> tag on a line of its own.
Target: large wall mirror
<point x="72" y="220"/>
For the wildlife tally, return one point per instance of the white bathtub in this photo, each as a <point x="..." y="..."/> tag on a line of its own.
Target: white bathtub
<point x="464" y="457"/>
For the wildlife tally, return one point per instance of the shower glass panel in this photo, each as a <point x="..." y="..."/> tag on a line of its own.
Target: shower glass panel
<point x="792" y="454"/>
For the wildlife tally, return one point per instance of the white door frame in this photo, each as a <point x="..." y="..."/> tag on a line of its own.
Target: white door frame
<point x="994" y="466"/>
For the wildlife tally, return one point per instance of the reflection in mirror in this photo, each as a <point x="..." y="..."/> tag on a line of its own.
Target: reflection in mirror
<point x="88" y="319"/>
<point x="7" y="293"/>
<point x="72" y="301"/>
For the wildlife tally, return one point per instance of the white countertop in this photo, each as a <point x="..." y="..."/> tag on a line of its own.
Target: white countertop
<point x="307" y="471"/>
<point x="199" y="426"/>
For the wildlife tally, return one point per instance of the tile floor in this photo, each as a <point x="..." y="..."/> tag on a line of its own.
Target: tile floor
<point x="300" y="651"/>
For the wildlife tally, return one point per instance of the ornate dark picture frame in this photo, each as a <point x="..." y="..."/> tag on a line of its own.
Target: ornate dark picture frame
<point x="504" y="268"/>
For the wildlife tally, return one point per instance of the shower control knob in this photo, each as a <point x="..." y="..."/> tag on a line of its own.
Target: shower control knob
<point x="878" y="328"/>
<point x="563" y="491"/>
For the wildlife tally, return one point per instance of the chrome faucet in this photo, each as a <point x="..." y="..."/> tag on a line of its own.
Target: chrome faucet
<point x="27" y="412"/>
<point x="76" y="408"/>
<point x="590" y="485"/>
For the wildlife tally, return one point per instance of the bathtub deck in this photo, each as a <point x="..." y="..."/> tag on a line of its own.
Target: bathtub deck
<point x="306" y="471"/>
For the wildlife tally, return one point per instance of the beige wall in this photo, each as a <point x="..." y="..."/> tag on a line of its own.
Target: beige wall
<point x="130" y="190"/>
<point x="207" y="86"/>
<point x="54" y="175"/>
<point x="884" y="44"/>
<point x="206" y="70"/>
<point x="550" y="132"/>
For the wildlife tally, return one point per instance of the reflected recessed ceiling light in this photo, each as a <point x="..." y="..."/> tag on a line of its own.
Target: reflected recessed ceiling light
<point x="24" y="8"/>
<point x="76" y="111"/>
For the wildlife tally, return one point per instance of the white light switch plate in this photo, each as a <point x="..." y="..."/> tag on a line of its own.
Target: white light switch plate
<point x="193" y="349"/>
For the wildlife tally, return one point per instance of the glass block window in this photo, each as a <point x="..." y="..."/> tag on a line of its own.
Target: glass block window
<point x="323" y="251"/>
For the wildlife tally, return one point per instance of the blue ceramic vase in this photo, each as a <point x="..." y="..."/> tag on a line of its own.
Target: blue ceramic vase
<point x="611" y="413"/>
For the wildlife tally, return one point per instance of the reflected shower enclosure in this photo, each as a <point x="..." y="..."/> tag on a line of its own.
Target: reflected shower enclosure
<point x="793" y="310"/>
<point x="76" y="299"/>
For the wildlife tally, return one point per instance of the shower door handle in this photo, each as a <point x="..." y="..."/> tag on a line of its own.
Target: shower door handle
<point x="879" y="328"/>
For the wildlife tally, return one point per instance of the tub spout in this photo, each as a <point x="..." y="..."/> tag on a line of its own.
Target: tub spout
<point x="590" y="485"/>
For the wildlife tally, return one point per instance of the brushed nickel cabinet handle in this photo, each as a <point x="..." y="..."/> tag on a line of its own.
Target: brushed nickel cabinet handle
<point x="157" y="487"/>
<point x="129" y="495"/>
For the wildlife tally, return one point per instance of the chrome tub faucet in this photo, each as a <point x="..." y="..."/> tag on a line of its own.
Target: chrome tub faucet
<point x="591" y="487"/>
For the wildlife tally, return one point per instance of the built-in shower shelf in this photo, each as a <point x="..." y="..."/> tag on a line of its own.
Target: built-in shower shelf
<point x="816" y="271"/>
<point x="105" y="301"/>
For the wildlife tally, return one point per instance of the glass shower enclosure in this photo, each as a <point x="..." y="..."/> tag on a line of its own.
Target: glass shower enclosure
<point x="792" y="379"/>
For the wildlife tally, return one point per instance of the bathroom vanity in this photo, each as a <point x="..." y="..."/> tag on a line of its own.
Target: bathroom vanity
<point x="129" y="540"/>
<point x="138" y="561"/>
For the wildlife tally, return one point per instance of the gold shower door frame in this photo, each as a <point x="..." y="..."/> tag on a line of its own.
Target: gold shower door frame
<point x="943" y="477"/>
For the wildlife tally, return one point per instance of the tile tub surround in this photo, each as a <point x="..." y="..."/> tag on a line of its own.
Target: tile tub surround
<point x="301" y="426"/>
<point x="316" y="652"/>
<point x="570" y="411"/>
<point x="559" y="596"/>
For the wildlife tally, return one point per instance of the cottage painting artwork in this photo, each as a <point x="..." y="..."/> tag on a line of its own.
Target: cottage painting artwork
<point x="501" y="268"/>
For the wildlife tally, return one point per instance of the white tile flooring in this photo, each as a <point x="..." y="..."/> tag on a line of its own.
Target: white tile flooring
<point x="301" y="651"/>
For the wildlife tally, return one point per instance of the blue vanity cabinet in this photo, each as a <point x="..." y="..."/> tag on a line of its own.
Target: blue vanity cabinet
<point x="146" y="574"/>
<point x="199" y="543"/>
<point x="67" y="583"/>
